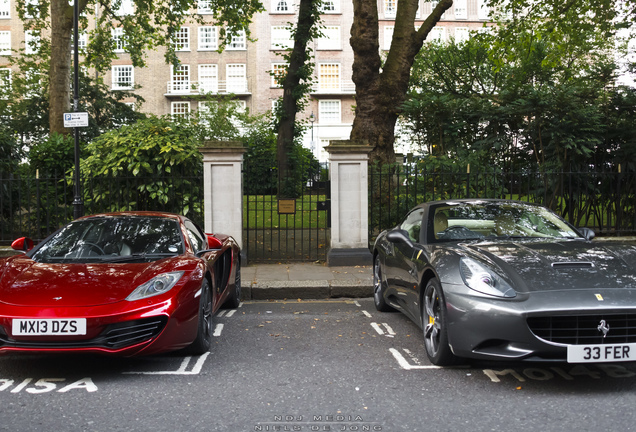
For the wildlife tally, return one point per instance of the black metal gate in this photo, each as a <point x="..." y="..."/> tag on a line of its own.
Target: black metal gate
<point x="285" y="229"/>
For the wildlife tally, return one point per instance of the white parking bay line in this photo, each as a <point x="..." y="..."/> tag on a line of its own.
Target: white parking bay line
<point x="377" y="328"/>
<point x="217" y="330"/>
<point x="230" y="313"/>
<point x="182" y="369"/>
<point x="389" y="331"/>
<point x="367" y="314"/>
<point x="404" y="364"/>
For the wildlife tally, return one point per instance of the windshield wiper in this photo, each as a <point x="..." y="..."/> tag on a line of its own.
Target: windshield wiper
<point x="138" y="257"/>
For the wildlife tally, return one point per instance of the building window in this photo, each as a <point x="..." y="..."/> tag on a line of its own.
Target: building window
<point x="437" y="34"/>
<point x="5" y="80"/>
<point x="182" y="39"/>
<point x="125" y="8"/>
<point x="204" y="7"/>
<point x="328" y="76"/>
<point x="118" y="39"/>
<point x="388" y="36"/>
<point x="180" y="79"/>
<point x="281" y="6"/>
<point x="482" y="9"/>
<point x="81" y="42"/>
<point x="180" y="109"/>
<point x="330" y="6"/>
<point x="330" y="39"/>
<point x="390" y="8"/>
<point x="31" y="42"/>
<point x="123" y="77"/>
<point x="208" y="40"/>
<point x="208" y="78"/>
<point x="461" y="34"/>
<point x="236" y="40"/>
<point x="461" y="9"/>
<point x="329" y="112"/>
<point x="236" y="78"/>
<point x="281" y="38"/>
<point x="5" y="9"/>
<point x="278" y="74"/>
<point x="5" y="43"/>
<point x="31" y="8"/>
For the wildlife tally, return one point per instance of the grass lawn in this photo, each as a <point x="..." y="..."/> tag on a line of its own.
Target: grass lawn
<point x="261" y="211"/>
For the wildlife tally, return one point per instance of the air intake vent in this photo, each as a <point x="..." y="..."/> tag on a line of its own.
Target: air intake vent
<point x="572" y="265"/>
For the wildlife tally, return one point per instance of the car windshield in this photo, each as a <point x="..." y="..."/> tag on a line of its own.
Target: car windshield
<point x="478" y="220"/>
<point x="113" y="239"/>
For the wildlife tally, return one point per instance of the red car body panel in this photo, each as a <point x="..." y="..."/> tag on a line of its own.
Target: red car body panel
<point x="98" y="292"/>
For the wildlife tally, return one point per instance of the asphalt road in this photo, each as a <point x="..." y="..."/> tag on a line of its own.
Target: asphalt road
<point x="335" y="365"/>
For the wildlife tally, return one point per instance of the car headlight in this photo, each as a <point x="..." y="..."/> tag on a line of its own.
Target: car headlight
<point x="155" y="286"/>
<point x="479" y="278"/>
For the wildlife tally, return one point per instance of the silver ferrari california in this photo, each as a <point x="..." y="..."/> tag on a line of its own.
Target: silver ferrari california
<point x="507" y="280"/>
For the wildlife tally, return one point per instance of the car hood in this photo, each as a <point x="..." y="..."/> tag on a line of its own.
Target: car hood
<point x="556" y="265"/>
<point x="24" y="282"/>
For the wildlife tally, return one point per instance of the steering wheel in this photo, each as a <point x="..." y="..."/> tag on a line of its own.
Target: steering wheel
<point x="94" y="246"/>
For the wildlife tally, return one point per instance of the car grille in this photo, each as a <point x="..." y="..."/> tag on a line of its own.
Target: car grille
<point x="584" y="329"/>
<point x="114" y="336"/>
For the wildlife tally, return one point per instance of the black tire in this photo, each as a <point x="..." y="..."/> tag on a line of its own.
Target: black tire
<point x="234" y="298"/>
<point x="434" y="325"/>
<point x="378" y="288"/>
<point x="202" y="342"/>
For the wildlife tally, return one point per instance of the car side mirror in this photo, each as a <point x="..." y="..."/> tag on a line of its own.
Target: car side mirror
<point x="587" y="233"/>
<point x="213" y="242"/>
<point x="399" y="236"/>
<point x="23" y="244"/>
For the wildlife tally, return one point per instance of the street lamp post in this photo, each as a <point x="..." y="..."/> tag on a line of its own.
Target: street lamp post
<point x="78" y="205"/>
<point x="312" y="119"/>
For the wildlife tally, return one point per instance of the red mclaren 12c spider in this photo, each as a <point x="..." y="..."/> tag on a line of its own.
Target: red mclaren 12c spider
<point x="128" y="283"/>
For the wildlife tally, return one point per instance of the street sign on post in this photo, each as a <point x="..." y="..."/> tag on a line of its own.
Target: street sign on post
<point x="76" y="119"/>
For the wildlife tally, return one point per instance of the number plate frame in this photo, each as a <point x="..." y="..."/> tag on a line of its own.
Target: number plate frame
<point x="602" y="353"/>
<point x="48" y="327"/>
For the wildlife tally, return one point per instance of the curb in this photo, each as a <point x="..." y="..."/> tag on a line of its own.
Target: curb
<point x="310" y="289"/>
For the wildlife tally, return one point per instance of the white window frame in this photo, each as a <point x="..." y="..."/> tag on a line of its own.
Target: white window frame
<point x="461" y="9"/>
<point x="388" y="36"/>
<point x="5" y="9"/>
<point x="331" y="39"/>
<point x="236" y="41"/>
<point x="182" y="39"/>
<point x="117" y="34"/>
<point x="277" y="70"/>
<point x="330" y="111"/>
<point x="329" y="80"/>
<point x="282" y="6"/>
<point x="281" y="38"/>
<point x="390" y="8"/>
<point x="5" y="43"/>
<point x="5" y="80"/>
<point x="482" y="9"/>
<point x="126" y="7"/>
<point x="208" y="80"/>
<point x="208" y="38"/>
<point x="117" y="71"/>
<point x="330" y="7"/>
<point x="461" y="34"/>
<point x="204" y="7"/>
<point x="437" y="34"/>
<point x="180" y="79"/>
<point x="180" y="109"/>
<point x="31" y="42"/>
<point x="236" y="78"/>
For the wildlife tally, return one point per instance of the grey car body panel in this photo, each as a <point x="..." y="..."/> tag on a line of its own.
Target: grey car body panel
<point x="550" y="277"/>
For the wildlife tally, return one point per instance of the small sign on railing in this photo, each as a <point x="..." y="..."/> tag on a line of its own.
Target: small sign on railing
<point x="286" y="206"/>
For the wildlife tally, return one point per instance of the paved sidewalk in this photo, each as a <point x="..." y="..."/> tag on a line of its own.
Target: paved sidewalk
<point x="305" y="281"/>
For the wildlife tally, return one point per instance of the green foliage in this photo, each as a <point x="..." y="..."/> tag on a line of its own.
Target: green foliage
<point x="523" y="114"/>
<point x="158" y="160"/>
<point x="260" y="161"/>
<point x="53" y="156"/>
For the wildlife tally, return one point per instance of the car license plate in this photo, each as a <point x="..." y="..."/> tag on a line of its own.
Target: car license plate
<point x="49" y="327"/>
<point x="601" y="353"/>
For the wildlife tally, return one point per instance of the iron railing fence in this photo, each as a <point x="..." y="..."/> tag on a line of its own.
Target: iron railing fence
<point x="37" y="206"/>
<point x="603" y="201"/>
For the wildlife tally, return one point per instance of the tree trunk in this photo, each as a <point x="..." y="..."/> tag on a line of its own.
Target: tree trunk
<point x="381" y="93"/>
<point x="60" y="69"/>
<point x="307" y="18"/>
